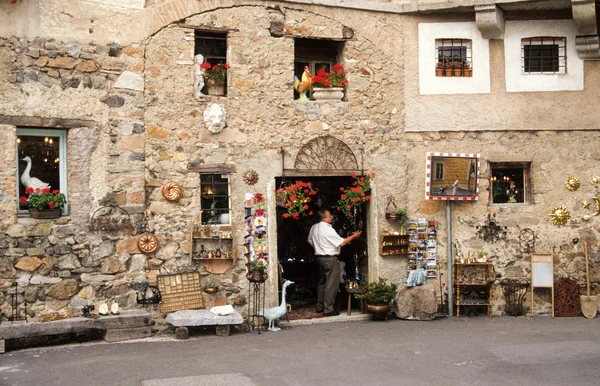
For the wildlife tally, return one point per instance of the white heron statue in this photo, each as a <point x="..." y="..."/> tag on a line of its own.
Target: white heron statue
<point x="31" y="182"/>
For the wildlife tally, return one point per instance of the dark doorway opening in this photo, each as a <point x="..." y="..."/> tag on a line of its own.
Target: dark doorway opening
<point x="296" y="256"/>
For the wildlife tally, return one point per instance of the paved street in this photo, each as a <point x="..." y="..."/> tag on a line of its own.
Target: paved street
<point x="466" y="351"/>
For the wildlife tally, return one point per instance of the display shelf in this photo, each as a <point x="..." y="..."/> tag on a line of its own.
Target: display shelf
<point x="213" y="238"/>
<point x="393" y="245"/>
<point x="473" y="280"/>
<point x="215" y="258"/>
<point x="422" y="246"/>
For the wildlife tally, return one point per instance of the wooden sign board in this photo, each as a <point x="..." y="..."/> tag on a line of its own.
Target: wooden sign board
<point x="542" y="275"/>
<point x="180" y="291"/>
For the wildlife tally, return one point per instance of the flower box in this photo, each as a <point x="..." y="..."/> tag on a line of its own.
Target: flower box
<point x="328" y="93"/>
<point x="45" y="214"/>
<point x="215" y="89"/>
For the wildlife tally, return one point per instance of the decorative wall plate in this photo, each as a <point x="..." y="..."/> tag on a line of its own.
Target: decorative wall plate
<point x="148" y="242"/>
<point x="172" y="191"/>
<point x="250" y="177"/>
<point x="560" y="215"/>
<point x="572" y="184"/>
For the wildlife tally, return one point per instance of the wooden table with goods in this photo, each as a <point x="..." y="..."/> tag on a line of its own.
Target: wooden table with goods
<point x="473" y="285"/>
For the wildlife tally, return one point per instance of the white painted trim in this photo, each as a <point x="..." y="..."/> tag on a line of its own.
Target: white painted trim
<point x="514" y="31"/>
<point x="479" y="83"/>
<point x="62" y="164"/>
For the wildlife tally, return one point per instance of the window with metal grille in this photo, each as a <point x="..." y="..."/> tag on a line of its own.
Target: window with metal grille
<point x="439" y="171"/>
<point x="510" y="183"/>
<point x="215" y="198"/>
<point x="213" y="46"/>
<point x="544" y="55"/>
<point x="453" y="57"/>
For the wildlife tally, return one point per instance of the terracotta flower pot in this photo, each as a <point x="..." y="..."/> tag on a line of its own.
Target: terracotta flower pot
<point x="439" y="72"/>
<point x="45" y="214"/>
<point x="458" y="72"/>
<point x="467" y="72"/>
<point x="448" y="72"/>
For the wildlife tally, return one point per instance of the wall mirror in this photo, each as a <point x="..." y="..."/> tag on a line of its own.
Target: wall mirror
<point x="452" y="176"/>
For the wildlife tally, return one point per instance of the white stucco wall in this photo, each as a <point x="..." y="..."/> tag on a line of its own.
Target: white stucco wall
<point x="516" y="81"/>
<point x="431" y="84"/>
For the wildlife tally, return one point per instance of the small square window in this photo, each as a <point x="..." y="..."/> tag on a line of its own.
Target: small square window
<point x="215" y="201"/>
<point x="315" y="54"/>
<point x="543" y="55"/>
<point x="439" y="171"/>
<point x="510" y="183"/>
<point x="213" y="46"/>
<point x="41" y="161"/>
<point x="453" y="57"/>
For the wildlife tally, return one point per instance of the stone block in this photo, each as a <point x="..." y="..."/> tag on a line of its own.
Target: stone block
<point x="130" y="80"/>
<point x="416" y="303"/>
<point x="202" y="318"/>
<point x="121" y="334"/>
<point x="28" y="264"/>
<point x="62" y="62"/>
<point x="181" y="333"/>
<point x="63" y="290"/>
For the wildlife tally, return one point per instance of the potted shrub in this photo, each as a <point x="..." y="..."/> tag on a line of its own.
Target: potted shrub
<point x="439" y="69"/>
<point x="329" y="85"/>
<point x="398" y="215"/>
<point x="457" y="68"/>
<point x="44" y="203"/>
<point x="448" y="68"/>
<point x="467" y="71"/>
<point x="377" y="296"/>
<point x="257" y="268"/>
<point x="215" y="76"/>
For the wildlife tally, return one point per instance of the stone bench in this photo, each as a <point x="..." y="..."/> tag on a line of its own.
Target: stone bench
<point x="129" y="324"/>
<point x="191" y="318"/>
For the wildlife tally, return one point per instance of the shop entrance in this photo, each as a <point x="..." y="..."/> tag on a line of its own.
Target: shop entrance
<point x="296" y="257"/>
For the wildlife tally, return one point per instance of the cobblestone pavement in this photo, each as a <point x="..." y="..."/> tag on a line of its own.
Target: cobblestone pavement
<point x="453" y="351"/>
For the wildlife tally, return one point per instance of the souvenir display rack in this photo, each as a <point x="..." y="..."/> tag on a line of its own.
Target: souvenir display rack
<point x="422" y="246"/>
<point x="473" y="285"/>
<point x="393" y="245"/>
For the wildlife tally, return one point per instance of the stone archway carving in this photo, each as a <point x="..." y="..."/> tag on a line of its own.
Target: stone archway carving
<point x="326" y="153"/>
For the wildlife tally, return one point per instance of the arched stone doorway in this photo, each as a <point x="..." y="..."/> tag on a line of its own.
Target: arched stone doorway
<point x="328" y="164"/>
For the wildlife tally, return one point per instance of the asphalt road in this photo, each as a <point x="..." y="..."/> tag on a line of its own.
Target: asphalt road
<point x="465" y="351"/>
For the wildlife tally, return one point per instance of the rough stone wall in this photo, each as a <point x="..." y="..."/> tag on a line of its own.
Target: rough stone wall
<point x="147" y="129"/>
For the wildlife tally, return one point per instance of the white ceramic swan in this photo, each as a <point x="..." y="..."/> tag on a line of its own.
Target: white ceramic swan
<point x="31" y="182"/>
<point x="275" y="313"/>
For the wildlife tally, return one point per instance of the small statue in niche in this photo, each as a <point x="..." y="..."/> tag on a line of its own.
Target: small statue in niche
<point x="198" y="76"/>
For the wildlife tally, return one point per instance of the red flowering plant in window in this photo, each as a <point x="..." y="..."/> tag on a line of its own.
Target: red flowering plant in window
<point x="353" y="196"/>
<point x="42" y="199"/>
<point x="214" y="73"/>
<point x="334" y="78"/>
<point x="295" y="199"/>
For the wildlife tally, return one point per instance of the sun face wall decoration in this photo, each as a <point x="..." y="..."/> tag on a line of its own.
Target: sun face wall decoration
<point x="572" y="184"/>
<point x="560" y="215"/>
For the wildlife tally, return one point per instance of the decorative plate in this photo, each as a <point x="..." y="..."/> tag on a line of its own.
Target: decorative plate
<point x="172" y="191"/>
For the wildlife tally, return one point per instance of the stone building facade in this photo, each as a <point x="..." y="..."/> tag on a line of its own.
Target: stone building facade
<point x="119" y="79"/>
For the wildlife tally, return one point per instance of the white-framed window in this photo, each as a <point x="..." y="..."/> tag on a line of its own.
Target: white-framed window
<point x="41" y="159"/>
<point x="453" y="54"/>
<point x="553" y="64"/>
<point x="543" y="55"/>
<point x="438" y="171"/>
<point x="215" y="199"/>
<point x="456" y="44"/>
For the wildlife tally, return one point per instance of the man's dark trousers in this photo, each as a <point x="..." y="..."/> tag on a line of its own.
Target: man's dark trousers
<point x="329" y="282"/>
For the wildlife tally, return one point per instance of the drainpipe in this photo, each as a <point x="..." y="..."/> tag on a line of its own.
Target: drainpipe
<point x="449" y="244"/>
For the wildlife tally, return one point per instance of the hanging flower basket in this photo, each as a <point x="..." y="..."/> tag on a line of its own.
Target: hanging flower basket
<point x="45" y="214"/>
<point x="257" y="276"/>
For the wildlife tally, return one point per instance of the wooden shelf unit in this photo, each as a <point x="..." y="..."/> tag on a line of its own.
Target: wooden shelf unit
<point x="392" y="245"/>
<point x="476" y="277"/>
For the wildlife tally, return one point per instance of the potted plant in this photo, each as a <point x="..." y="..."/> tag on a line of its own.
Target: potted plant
<point x="377" y="296"/>
<point x="398" y="215"/>
<point x="448" y="68"/>
<point x="457" y="68"/>
<point x="44" y="203"/>
<point x="211" y="287"/>
<point x="215" y="76"/>
<point x="295" y="198"/>
<point x="439" y="69"/>
<point x="329" y="85"/>
<point x="467" y="71"/>
<point x="257" y="268"/>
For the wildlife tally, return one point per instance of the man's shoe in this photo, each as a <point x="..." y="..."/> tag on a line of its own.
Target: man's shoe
<point x="319" y="310"/>
<point x="332" y="313"/>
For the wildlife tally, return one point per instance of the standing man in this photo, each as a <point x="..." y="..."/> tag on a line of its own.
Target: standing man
<point x="327" y="244"/>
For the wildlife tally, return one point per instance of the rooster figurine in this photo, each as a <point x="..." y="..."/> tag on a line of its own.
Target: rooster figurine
<point x="275" y="313"/>
<point x="302" y="86"/>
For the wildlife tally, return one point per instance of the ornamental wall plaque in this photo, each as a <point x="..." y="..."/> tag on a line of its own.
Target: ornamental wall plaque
<point x="148" y="242"/>
<point x="560" y="215"/>
<point x="572" y="184"/>
<point x="250" y="177"/>
<point x="172" y="191"/>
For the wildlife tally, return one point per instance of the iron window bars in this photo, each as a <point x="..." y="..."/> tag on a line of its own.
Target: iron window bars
<point x="453" y="57"/>
<point x="544" y="55"/>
